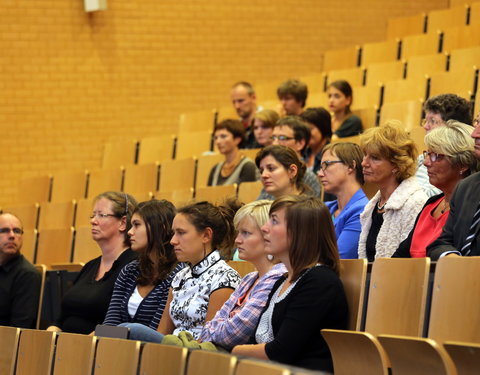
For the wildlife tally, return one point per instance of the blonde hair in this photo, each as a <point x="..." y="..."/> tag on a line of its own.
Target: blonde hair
<point x="257" y="210"/>
<point x="391" y="142"/>
<point x="268" y="116"/>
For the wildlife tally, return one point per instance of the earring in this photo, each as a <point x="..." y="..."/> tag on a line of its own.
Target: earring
<point x="270" y="257"/>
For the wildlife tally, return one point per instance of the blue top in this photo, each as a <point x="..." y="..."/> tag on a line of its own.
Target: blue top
<point x="151" y="308"/>
<point x="347" y="224"/>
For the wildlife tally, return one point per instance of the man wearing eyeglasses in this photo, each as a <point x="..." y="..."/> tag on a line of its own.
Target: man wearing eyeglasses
<point x="19" y="280"/>
<point x="438" y="110"/>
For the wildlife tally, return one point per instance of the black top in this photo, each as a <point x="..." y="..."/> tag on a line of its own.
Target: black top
<point x="370" y="245"/>
<point x="350" y="127"/>
<point x="86" y="302"/>
<point x="316" y="302"/>
<point x="248" y="173"/>
<point x="20" y="286"/>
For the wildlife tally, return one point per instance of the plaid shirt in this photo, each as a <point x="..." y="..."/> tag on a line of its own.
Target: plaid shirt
<point x="229" y="331"/>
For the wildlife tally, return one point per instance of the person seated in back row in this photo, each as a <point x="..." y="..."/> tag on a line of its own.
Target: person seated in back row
<point x="293" y="97"/>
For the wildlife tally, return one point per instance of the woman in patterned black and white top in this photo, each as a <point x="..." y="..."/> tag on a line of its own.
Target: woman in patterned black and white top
<point x="300" y="233"/>
<point x="200" y="289"/>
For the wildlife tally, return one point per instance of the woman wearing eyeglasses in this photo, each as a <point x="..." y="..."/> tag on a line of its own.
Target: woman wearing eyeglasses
<point x="390" y="164"/>
<point x="449" y="159"/>
<point x="341" y="175"/>
<point x="85" y="304"/>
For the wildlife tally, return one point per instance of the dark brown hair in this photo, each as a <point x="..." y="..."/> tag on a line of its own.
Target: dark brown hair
<point x="345" y="88"/>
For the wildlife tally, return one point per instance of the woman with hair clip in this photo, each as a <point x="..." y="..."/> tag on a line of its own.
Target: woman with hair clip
<point x="200" y="289"/>
<point x="141" y="290"/>
<point x="85" y="304"/>
<point x="310" y="297"/>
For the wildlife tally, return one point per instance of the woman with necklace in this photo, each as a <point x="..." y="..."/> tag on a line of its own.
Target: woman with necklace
<point x="390" y="164"/>
<point x="237" y="168"/>
<point x="449" y="159"/>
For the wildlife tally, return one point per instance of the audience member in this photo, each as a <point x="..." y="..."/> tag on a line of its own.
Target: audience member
<point x="341" y="175"/>
<point x="389" y="163"/>
<point x="293" y="96"/>
<point x="20" y="281"/>
<point x="202" y="287"/>
<point x="141" y="290"/>
<point x="281" y="172"/>
<point x="244" y="101"/>
<point x="438" y="110"/>
<point x="263" y="125"/>
<point x="307" y="299"/>
<point x="85" y="304"/>
<point x="236" y="168"/>
<point x="449" y="159"/>
<point x="344" y="122"/>
<point x="459" y="236"/>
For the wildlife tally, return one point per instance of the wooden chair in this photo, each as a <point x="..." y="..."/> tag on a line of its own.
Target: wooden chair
<point x="193" y="144"/>
<point x="462" y="83"/>
<point x="317" y="99"/>
<point x="34" y="189"/>
<point x="204" y="165"/>
<point x="369" y="116"/>
<point x="84" y="248"/>
<point x="67" y="186"/>
<point x="366" y="96"/>
<point x="354" y="76"/>
<point x="342" y="58"/>
<point x="454" y="16"/>
<point x="74" y="354"/>
<point x="28" y="214"/>
<point x="42" y="269"/>
<point x="122" y="152"/>
<point x="453" y="314"/>
<point x="249" y="191"/>
<point x="35" y="352"/>
<point x="178" y="197"/>
<point x="163" y="360"/>
<point x="314" y="82"/>
<point x="382" y="72"/>
<point x="242" y="267"/>
<point x="465" y="58"/>
<point x="423" y="44"/>
<point x="474" y="11"/>
<point x="216" y="194"/>
<point x="9" y="343"/>
<point x="461" y="37"/>
<point x="249" y="366"/>
<point x="417" y="133"/>
<point x="156" y="149"/>
<point x="29" y="247"/>
<point x="420" y="66"/>
<point x="465" y="356"/>
<point x="101" y="180"/>
<point x="380" y="52"/>
<point x="83" y="212"/>
<point x="393" y="306"/>
<point x="56" y="215"/>
<point x="116" y="356"/>
<point x="226" y="112"/>
<point x="400" y="27"/>
<point x="54" y="246"/>
<point x="197" y="121"/>
<point x="141" y="178"/>
<point x="177" y="174"/>
<point x="202" y="362"/>
<point x="409" y="113"/>
<point x="353" y="273"/>
<point x="405" y="90"/>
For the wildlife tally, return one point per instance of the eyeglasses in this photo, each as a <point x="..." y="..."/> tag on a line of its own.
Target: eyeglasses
<point x="17" y="231"/>
<point x="432" y="121"/>
<point x="281" y="138"/>
<point x="433" y="156"/>
<point x="326" y="164"/>
<point x="101" y="216"/>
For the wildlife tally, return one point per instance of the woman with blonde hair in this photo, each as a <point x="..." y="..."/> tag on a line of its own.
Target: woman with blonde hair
<point x="449" y="158"/>
<point x="263" y="125"/>
<point x="390" y="164"/>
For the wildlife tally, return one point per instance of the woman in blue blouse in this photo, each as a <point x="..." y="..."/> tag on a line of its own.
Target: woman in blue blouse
<point x="341" y="175"/>
<point x="141" y="290"/>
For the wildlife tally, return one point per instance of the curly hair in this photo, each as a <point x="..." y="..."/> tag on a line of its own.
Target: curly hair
<point x="450" y="107"/>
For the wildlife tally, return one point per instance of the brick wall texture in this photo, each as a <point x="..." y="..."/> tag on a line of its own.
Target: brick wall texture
<point x="69" y="80"/>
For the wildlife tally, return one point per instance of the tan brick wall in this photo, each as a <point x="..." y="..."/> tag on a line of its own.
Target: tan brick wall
<point x="70" y="80"/>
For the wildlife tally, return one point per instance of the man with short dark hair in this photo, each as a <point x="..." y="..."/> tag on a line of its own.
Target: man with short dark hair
<point x="244" y="101"/>
<point x="438" y="110"/>
<point x="293" y="96"/>
<point x="19" y="281"/>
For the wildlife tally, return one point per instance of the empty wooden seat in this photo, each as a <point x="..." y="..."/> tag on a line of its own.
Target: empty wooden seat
<point x="314" y="82"/>
<point x="461" y="37"/>
<point x="179" y="197"/>
<point x="202" y="362"/>
<point x="383" y="72"/>
<point x="317" y="99"/>
<point x="249" y="366"/>
<point x="399" y="27"/>
<point x="163" y="359"/>
<point x="417" y="133"/>
<point x="101" y="180"/>
<point x="85" y="248"/>
<point x="54" y="246"/>
<point x="205" y="164"/>
<point x="197" y="121"/>
<point x="216" y="194"/>
<point x="353" y="273"/>
<point x="35" y="352"/>
<point x="420" y="66"/>
<point x="369" y="116"/>
<point x="409" y="113"/>
<point x="177" y="174"/>
<point x="380" y="52"/>
<point x="226" y="112"/>
<point x="83" y="212"/>
<point x="9" y="343"/>
<point x="249" y="191"/>
<point x="454" y="16"/>
<point x="141" y="178"/>
<point x="34" y="189"/>
<point x="27" y="213"/>
<point x="74" y="354"/>
<point x="465" y="356"/>
<point x="464" y="59"/>
<point x="67" y="186"/>
<point x="156" y="149"/>
<point x="118" y="153"/>
<point x="193" y="144"/>
<point x="405" y="90"/>
<point x="342" y="58"/>
<point x="366" y="96"/>
<point x="354" y="76"/>
<point x="56" y="215"/>
<point x="116" y="356"/>
<point x="242" y="267"/>
<point x="423" y="44"/>
<point x="29" y="247"/>
<point x="462" y="83"/>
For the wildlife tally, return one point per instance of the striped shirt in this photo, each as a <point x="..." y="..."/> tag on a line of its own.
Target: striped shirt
<point x="151" y="308"/>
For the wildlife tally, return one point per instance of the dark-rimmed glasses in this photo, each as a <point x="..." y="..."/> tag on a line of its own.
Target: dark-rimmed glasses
<point x="327" y="163"/>
<point x="433" y="156"/>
